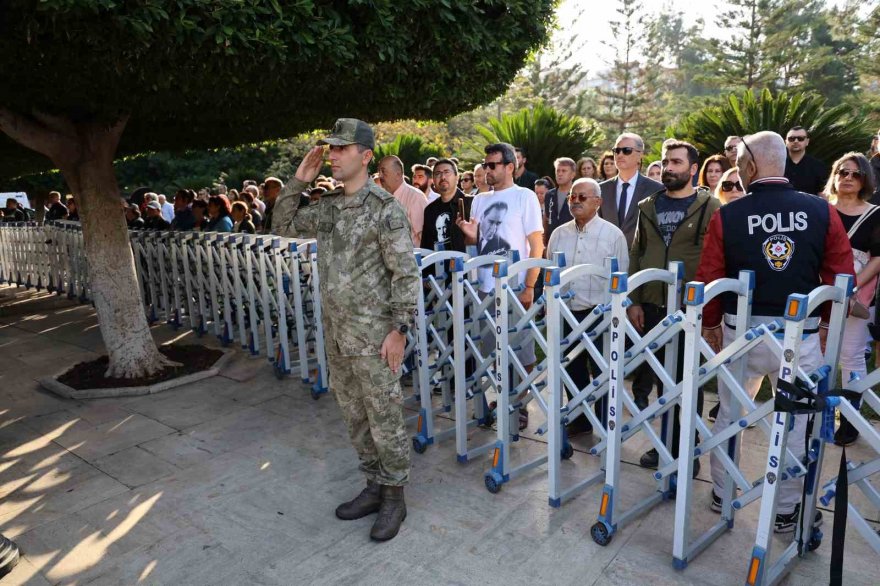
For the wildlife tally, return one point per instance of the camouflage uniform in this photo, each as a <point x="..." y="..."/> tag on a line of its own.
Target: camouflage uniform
<point x="369" y="284"/>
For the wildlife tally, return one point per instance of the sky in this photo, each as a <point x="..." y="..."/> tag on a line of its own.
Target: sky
<point x="589" y="19"/>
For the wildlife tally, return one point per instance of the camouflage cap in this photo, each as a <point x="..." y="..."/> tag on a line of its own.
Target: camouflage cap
<point x="348" y="131"/>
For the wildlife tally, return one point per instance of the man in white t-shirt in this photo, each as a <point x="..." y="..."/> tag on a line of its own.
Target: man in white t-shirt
<point x="508" y="218"/>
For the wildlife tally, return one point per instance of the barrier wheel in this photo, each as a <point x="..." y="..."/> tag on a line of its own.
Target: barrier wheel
<point x="279" y="370"/>
<point x="492" y="483"/>
<point x="567" y="451"/>
<point x="419" y="445"/>
<point x="315" y="394"/>
<point x="600" y="534"/>
<point x="815" y="540"/>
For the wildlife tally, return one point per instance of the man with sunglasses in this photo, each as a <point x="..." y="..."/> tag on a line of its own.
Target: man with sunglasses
<point x="587" y="239"/>
<point x="793" y="242"/>
<point x="730" y="148"/>
<point x="806" y="173"/>
<point x="508" y="218"/>
<point x="622" y="194"/>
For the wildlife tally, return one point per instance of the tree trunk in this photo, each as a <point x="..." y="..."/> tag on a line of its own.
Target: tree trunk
<point x="115" y="291"/>
<point x="84" y="152"/>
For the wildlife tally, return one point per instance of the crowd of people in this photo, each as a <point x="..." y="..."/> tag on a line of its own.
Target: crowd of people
<point x="763" y="204"/>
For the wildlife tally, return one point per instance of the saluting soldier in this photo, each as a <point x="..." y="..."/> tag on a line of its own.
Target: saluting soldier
<point x="369" y="287"/>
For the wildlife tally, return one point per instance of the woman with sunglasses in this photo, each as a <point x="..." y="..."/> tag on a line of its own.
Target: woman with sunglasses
<point x="849" y="188"/>
<point x="729" y="187"/>
<point x="711" y="171"/>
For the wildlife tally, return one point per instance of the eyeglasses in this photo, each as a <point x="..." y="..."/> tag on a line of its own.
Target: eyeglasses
<point x="844" y="173"/>
<point x="465" y="179"/>
<point x="625" y="150"/>
<point x="727" y="186"/>
<point x="730" y="148"/>
<point x="748" y="150"/>
<point x="581" y="197"/>
<point x="488" y="165"/>
<point x="443" y="173"/>
<point x="796" y="138"/>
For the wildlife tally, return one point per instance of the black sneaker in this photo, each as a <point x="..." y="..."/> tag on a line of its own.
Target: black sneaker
<point x="713" y="412"/>
<point x="787" y="523"/>
<point x="649" y="459"/>
<point x="715" y="505"/>
<point x="580" y="426"/>
<point x="641" y="403"/>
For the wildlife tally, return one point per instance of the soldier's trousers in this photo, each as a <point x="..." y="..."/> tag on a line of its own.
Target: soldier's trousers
<point x="371" y="400"/>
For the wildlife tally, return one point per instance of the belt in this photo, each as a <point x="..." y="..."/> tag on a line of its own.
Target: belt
<point x="811" y="324"/>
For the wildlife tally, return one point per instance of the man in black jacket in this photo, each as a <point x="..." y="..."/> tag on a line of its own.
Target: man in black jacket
<point x="806" y="173"/>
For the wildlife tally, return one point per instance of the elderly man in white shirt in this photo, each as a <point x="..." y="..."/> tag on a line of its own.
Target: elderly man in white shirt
<point x="587" y="239"/>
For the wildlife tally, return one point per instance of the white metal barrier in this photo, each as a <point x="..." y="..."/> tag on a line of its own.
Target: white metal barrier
<point x="623" y="362"/>
<point x="263" y="292"/>
<point x="585" y="339"/>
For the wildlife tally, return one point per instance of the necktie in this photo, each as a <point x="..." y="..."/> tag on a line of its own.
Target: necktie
<point x="621" y="209"/>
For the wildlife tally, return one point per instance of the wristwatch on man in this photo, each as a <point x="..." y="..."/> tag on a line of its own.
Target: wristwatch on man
<point x="401" y="328"/>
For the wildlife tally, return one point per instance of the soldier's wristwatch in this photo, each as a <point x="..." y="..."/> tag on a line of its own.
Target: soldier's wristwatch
<point x="401" y="329"/>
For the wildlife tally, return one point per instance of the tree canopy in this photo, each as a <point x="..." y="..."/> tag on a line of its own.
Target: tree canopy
<point x="199" y="73"/>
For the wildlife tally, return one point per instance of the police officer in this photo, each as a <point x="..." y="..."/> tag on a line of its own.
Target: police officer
<point x="793" y="242"/>
<point x="369" y="287"/>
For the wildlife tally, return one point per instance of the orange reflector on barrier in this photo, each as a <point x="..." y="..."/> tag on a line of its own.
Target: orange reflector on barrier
<point x="495" y="457"/>
<point x="604" y="506"/>
<point x="793" y="306"/>
<point x="692" y="292"/>
<point x="753" y="571"/>
<point x="615" y="281"/>
<point x="419" y="424"/>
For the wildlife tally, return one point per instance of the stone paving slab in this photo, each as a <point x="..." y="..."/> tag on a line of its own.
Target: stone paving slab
<point x="233" y="480"/>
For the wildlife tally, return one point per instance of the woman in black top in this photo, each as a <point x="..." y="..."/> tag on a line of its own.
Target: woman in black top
<point x="849" y="188"/>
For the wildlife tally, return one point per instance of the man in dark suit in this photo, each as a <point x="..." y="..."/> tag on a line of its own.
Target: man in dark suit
<point x="622" y="194"/>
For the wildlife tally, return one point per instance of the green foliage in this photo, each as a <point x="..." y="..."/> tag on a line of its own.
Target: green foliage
<point x="545" y="133"/>
<point x="409" y="148"/>
<point x="833" y="130"/>
<point x="629" y="85"/>
<point x="206" y="74"/>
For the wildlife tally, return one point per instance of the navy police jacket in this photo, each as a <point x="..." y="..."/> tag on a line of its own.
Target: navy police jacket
<point x="793" y="241"/>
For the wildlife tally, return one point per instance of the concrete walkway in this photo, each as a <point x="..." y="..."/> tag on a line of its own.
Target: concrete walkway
<point x="234" y="479"/>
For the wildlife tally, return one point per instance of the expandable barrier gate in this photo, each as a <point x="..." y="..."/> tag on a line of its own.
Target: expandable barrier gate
<point x="861" y="475"/>
<point x="263" y="292"/>
<point x="50" y="256"/>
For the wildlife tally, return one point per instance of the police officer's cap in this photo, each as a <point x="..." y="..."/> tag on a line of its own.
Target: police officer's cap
<point x="348" y="131"/>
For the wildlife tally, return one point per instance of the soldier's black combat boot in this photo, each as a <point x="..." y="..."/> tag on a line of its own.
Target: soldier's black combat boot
<point x="391" y="514"/>
<point x="8" y="556"/>
<point x="366" y="503"/>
